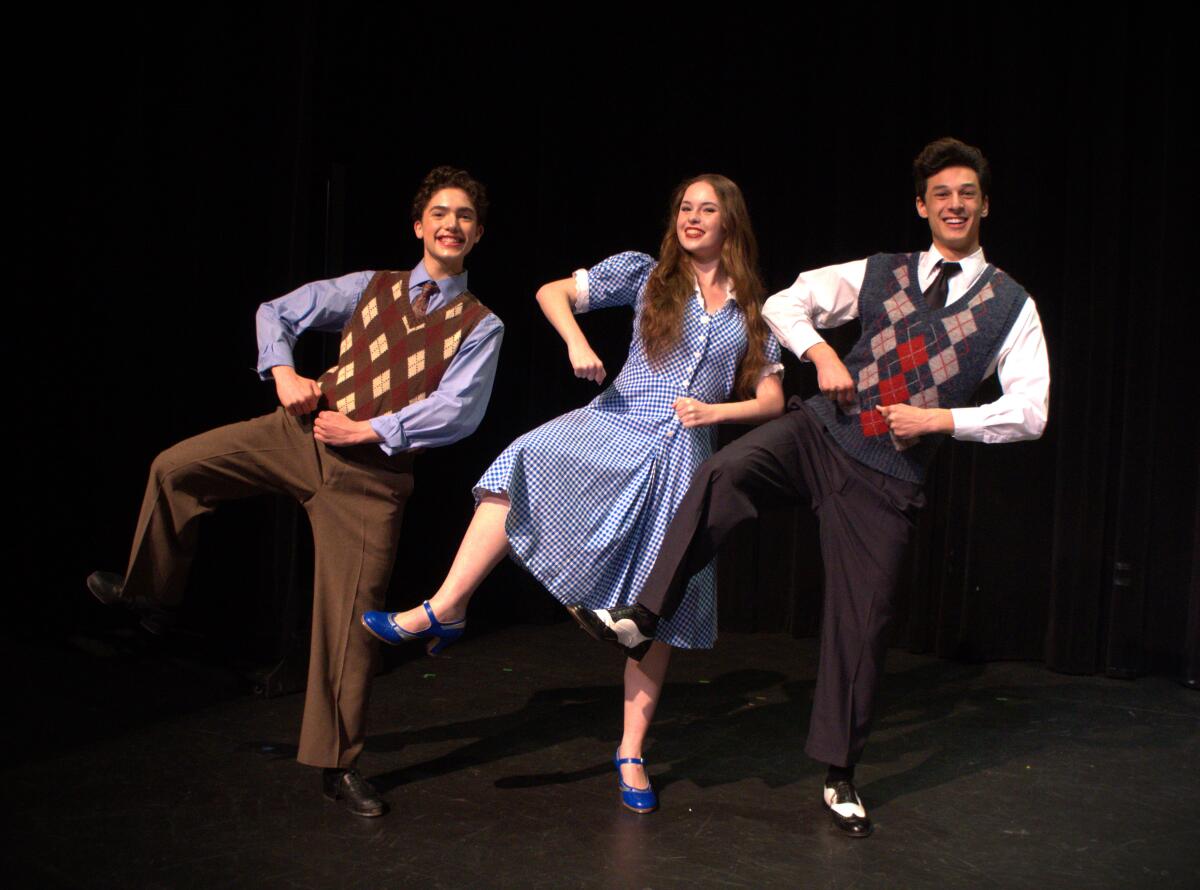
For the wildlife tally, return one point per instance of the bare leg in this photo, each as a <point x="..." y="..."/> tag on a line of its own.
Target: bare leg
<point x="482" y="548"/>
<point x="643" y="686"/>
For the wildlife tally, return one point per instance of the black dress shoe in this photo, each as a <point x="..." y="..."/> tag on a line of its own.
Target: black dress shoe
<point x="847" y="810"/>
<point x="355" y="792"/>
<point x="109" y="588"/>
<point x="630" y="628"/>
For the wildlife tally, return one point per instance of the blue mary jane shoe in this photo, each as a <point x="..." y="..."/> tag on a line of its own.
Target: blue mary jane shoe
<point x="383" y="625"/>
<point x="640" y="800"/>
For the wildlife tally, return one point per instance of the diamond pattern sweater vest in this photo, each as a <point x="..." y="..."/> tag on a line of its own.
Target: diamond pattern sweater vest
<point x="909" y="353"/>
<point x="388" y="358"/>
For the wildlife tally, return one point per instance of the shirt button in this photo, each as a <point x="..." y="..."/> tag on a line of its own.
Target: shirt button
<point x="696" y="355"/>
<point x="706" y="319"/>
<point x="670" y="433"/>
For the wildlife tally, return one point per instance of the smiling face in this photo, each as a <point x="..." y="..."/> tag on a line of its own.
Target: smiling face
<point x="954" y="204"/>
<point x="698" y="225"/>
<point x="449" y="227"/>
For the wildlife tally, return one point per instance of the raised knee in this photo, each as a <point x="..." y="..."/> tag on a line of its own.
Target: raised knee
<point x="166" y="465"/>
<point x="725" y="473"/>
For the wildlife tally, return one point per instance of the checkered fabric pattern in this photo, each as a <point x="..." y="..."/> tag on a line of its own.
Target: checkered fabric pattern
<point x="593" y="491"/>
<point x="911" y="354"/>
<point x="389" y="357"/>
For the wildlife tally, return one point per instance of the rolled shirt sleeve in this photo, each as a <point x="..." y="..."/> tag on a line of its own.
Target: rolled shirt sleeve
<point x="619" y="280"/>
<point x="773" y="364"/>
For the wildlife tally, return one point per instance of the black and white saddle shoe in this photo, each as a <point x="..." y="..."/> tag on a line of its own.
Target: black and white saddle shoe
<point x="847" y="810"/>
<point x="630" y="628"/>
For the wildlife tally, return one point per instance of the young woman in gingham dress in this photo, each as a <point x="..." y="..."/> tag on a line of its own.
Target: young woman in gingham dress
<point x="583" y="501"/>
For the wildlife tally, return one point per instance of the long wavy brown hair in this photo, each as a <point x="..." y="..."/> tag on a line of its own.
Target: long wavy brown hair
<point x="673" y="282"/>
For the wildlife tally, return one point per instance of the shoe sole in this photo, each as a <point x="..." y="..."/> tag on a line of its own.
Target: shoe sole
<point x="593" y="630"/>
<point x="639" y="812"/>
<point x="362" y="619"/>
<point x="845" y="832"/>
<point x="104" y="596"/>
<point x="373" y="814"/>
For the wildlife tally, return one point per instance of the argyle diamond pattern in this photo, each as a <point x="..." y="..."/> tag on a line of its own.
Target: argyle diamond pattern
<point x="389" y="358"/>
<point x="912" y="354"/>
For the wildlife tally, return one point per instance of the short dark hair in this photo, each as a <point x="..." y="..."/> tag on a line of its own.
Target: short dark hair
<point x="949" y="152"/>
<point x="450" y="178"/>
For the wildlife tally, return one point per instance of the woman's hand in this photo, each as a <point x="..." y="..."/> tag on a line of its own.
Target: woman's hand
<point x="692" y="412"/>
<point x="586" y="363"/>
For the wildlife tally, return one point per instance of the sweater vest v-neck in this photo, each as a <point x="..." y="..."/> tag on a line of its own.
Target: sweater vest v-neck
<point x="909" y="353"/>
<point x="388" y="357"/>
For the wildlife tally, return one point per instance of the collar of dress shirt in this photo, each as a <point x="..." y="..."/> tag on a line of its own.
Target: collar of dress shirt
<point x="730" y="297"/>
<point x="972" y="267"/>
<point x="449" y="289"/>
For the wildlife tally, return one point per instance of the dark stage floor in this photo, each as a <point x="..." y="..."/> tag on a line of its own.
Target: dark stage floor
<point x="147" y="770"/>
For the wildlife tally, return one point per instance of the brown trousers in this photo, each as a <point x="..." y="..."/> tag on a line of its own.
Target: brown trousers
<point x="354" y="508"/>
<point x="866" y="520"/>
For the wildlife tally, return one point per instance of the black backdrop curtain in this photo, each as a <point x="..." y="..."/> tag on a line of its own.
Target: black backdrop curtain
<point x="178" y="177"/>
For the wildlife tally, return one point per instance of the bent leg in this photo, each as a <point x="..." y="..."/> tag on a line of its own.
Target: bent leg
<point x="775" y="463"/>
<point x="355" y="519"/>
<point x="273" y="453"/>
<point x="483" y="546"/>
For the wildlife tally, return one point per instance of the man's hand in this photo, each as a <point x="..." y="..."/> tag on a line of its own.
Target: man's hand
<point x="832" y="376"/>
<point x="586" y="363"/>
<point x="692" y="412"/>
<point x="335" y="428"/>
<point x="909" y="422"/>
<point x="299" y="395"/>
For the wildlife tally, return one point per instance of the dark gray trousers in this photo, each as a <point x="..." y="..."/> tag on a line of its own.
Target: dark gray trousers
<point x="866" y="519"/>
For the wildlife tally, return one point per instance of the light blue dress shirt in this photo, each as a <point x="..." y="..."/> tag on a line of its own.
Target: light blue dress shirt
<point x="450" y="413"/>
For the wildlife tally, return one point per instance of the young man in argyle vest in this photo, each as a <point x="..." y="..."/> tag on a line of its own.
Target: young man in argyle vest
<point x="934" y="325"/>
<point x="417" y="359"/>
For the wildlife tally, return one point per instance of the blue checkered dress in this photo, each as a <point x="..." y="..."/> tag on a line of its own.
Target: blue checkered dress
<point x="592" y="492"/>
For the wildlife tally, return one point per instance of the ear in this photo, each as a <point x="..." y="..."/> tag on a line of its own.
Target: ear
<point x="418" y="230"/>
<point x="984" y="211"/>
<point x="922" y="210"/>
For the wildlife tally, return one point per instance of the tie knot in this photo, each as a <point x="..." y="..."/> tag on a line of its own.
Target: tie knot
<point x="420" y="303"/>
<point x="949" y="269"/>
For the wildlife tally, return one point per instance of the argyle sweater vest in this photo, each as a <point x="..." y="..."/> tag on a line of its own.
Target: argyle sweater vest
<point x="388" y="358"/>
<point x="909" y="353"/>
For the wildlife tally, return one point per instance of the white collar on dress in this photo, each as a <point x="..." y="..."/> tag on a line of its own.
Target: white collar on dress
<point x="730" y="296"/>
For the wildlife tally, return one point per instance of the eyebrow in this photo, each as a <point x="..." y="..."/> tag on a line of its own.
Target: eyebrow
<point x="466" y="208"/>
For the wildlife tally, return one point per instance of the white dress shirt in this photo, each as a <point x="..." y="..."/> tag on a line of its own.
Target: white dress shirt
<point x="828" y="297"/>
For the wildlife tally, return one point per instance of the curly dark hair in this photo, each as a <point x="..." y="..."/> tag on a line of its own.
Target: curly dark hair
<point x="949" y="152"/>
<point x="450" y="178"/>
